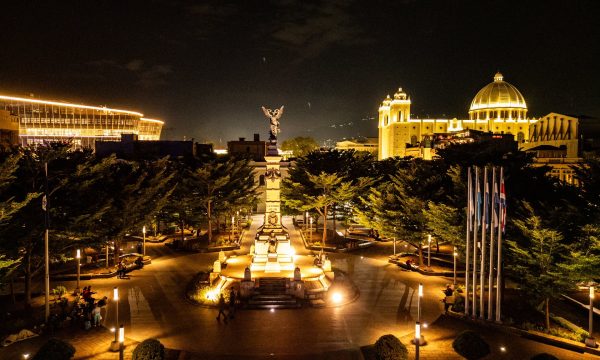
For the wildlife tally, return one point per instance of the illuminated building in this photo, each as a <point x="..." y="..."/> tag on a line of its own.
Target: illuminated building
<point x="498" y="108"/>
<point x="361" y="144"/>
<point x="42" y="120"/>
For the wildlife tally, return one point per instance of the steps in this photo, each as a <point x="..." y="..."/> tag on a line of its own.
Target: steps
<point x="271" y="294"/>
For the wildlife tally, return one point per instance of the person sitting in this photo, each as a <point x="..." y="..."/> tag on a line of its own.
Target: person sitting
<point x="139" y="262"/>
<point x="409" y="264"/>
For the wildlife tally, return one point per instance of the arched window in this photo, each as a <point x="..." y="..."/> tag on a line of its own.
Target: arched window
<point x="520" y="137"/>
<point x="413" y="140"/>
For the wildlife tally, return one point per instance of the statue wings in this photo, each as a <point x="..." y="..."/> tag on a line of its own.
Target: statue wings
<point x="273" y="113"/>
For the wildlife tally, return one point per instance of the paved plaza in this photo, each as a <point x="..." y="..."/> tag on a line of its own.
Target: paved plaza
<point x="153" y="305"/>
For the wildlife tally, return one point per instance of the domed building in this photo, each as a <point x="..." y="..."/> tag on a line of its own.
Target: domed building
<point x="498" y="107"/>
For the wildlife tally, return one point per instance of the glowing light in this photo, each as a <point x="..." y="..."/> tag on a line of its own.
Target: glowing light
<point x="121" y="334"/>
<point x="152" y="120"/>
<point x="116" y="294"/>
<point x="425" y="325"/>
<point x="502" y="348"/>
<point x="2" y="97"/>
<point x="336" y="297"/>
<point x="25" y="356"/>
<point x="417" y="332"/>
<point x="591" y="292"/>
<point x="429" y="238"/>
<point x="420" y="290"/>
<point x="272" y="310"/>
<point x="78" y="255"/>
<point x="112" y="329"/>
<point x="211" y="295"/>
<point x="144" y="229"/>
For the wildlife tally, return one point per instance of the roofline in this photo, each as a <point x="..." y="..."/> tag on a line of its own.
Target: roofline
<point x="152" y="120"/>
<point x="47" y="102"/>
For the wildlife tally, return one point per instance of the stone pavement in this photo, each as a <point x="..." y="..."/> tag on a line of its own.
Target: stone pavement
<point x="90" y="344"/>
<point x="443" y="331"/>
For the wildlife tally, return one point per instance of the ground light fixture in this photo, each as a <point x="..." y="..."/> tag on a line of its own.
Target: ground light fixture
<point x="272" y="310"/>
<point x="78" y="257"/>
<point x="337" y="297"/>
<point x="114" y="346"/>
<point x="121" y="341"/>
<point x="25" y="356"/>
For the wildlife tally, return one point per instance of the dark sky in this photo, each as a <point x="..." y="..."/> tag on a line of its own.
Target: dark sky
<point x="206" y="67"/>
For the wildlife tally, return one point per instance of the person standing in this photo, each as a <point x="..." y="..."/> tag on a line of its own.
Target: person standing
<point x="449" y="298"/>
<point x="222" y="308"/>
<point x="232" y="300"/>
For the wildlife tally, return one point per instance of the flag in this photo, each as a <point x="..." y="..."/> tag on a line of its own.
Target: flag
<point x="470" y="200"/>
<point x="502" y="200"/>
<point x="478" y="192"/>
<point x="486" y="199"/>
<point x="495" y="199"/>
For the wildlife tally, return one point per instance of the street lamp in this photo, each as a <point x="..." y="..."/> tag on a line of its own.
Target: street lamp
<point x="78" y="257"/>
<point x="429" y="252"/>
<point x="310" y="229"/>
<point x="590" y="341"/>
<point x="115" y="344"/>
<point x="144" y="243"/>
<point x="121" y="341"/>
<point x="420" y="293"/>
<point x="417" y="339"/>
<point x="305" y="220"/>
<point x="394" y="241"/>
<point x="455" y="254"/>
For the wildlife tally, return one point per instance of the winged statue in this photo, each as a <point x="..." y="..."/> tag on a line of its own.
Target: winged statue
<point x="274" y="116"/>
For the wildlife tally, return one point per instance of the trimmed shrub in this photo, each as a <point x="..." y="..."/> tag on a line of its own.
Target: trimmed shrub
<point x="470" y="345"/>
<point x="149" y="349"/>
<point x="544" y="356"/>
<point x="389" y="347"/>
<point x="55" y="349"/>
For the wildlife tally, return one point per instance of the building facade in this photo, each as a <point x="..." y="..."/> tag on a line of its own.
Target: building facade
<point x="363" y="144"/>
<point x="255" y="149"/>
<point x="498" y="107"/>
<point x="42" y="120"/>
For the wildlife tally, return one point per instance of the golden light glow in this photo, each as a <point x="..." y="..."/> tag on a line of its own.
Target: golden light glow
<point x="56" y="103"/>
<point x="591" y="292"/>
<point x="116" y="294"/>
<point x="121" y="334"/>
<point x="152" y="120"/>
<point x="420" y="290"/>
<point x="78" y="255"/>
<point x="336" y="297"/>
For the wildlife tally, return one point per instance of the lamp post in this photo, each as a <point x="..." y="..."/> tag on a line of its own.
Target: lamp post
<point x="310" y="229"/>
<point x="305" y="220"/>
<point x="420" y="293"/>
<point x="394" y="241"/>
<point x="115" y="344"/>
<point x="144" y="243"/>
<point x="121" y="341"/>
<point x="455" y="254"/>
<point x="590" y="341"/>
<point x="429" y="252"/>
<point x="78" y="257"/>
<point x="417" y="338"/>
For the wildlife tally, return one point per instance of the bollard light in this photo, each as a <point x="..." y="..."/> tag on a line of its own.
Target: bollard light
<point x="420" y="290"/>
<point x="144" y="229"/>
<point x="591" y="292"/>
<point x="116" y="294"/>
<point x="417" y="332"/>
<point x="78" y="255"/>
<point x="122" y="334"/>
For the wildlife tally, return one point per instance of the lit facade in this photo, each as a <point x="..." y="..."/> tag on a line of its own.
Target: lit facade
<point x="41" y="120"/>
<point x="498" y="107"/>
<point x="366" y="144"/>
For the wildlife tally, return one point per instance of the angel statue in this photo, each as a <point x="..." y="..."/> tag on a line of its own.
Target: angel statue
<point x="274" y="116"/>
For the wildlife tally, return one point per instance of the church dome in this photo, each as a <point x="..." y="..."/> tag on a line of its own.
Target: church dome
<point x="498" y="95"/>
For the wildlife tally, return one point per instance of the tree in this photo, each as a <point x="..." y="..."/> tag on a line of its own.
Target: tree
<point x="470" y="345"/>
<point x="149" y="349"/>
<point x="300" y="145"/>
<point x="537" y="260"/>
<point x="389" y="347"/>
<point x="224" y="185"/>
<point x="395" y="208"/>
<point x="309" y="180"/>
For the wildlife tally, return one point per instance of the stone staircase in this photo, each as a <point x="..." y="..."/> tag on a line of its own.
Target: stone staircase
<point x="271" y="294"/>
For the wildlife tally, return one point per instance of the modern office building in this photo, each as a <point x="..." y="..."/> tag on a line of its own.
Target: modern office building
<point x="42" y="120"/>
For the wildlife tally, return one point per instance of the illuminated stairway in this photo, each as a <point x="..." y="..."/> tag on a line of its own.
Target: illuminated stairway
<point x="271" y="294"/>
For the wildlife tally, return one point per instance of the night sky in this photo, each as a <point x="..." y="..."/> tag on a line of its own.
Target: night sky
<point x="206" y="67"/>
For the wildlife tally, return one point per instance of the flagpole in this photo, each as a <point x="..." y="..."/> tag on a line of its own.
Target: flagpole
<point x="483" y="244"/>
<point x="501" y="224"/>
<point x="46" y="246"/>
<point x="477" y="221"/>
<point x="467" y="251"/>
<point x="494" y="222"/>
